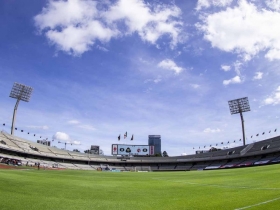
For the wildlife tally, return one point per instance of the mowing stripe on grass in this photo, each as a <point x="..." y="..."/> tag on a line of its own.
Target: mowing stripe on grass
<point x="220" y="186"/>
<point x="258" y="204"/>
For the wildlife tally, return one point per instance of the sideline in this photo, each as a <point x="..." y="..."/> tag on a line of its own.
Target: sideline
<point x="258" y="204"/>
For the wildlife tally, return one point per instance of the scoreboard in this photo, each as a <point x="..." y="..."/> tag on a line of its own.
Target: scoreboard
<point x="124" y="149"/>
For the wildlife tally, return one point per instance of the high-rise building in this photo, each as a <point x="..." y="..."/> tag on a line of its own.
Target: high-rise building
<point x="155" y="140"/>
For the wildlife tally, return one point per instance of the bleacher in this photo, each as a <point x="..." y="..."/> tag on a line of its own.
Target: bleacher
<point x="258" y="153"/>
<point x="216" y="164"/>
<point x="183" y="166"/>
<point x="200" y="166"/>
<point x="166" y="167"/>
<point x="9" y="142"/>
<point x="271" y="144"/>
<point x="248" y="162"/>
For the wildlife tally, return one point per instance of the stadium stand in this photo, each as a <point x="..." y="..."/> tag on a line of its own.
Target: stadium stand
<point x="248" y="162"/>
<point x="31" y="153"/>
<point x="183" y="166"/>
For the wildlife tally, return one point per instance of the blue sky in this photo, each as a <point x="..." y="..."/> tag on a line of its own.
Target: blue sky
<point x="101" y="68"/>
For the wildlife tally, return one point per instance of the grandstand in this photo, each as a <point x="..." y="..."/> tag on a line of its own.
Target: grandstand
<point x="258" y="153"/>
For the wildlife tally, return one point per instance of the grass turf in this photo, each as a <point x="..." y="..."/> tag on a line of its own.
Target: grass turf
<point x="68" y="189"/>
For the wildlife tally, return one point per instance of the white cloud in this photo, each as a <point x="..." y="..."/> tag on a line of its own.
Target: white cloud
<point x="76" y="142"/>
<point x="87" y="127"/>
<point x="237" y="67"/>
<point x="258" y="75"/>
<point x="73" y="122"/>
<point x="44" y="127"/>
<point x="208" y="3"/>
<point x="74" y="25"/>
<point x="209" y="130"/>
<point x="149" y="21"/>
<point x="273" y="4"/>
<point x="195" y="86"/>
<point x="233" y="80"/>
<point x="225" y="68"/>
<point x="61" y="136"/>
<point x="274" y="99"/>
<point x="245" y="30"/>
<point x="102" y="48"/>
<point x="170" y="65"/>
<point x="79" y="125"/>
<point x="157" y="80"/>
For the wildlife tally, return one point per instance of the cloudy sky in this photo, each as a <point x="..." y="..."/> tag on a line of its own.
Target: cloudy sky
<point x="169" y="68"/>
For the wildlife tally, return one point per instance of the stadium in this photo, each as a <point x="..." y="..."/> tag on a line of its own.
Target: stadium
<point x="57" y="170"/>
<point x="101" y="76"/>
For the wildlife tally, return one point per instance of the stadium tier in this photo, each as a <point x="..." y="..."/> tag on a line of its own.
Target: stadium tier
<point x="31" y="153"/>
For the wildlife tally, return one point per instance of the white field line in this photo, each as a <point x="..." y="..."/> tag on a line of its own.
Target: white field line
<point x="220" y="186"/>
<point x="258" y="204"/>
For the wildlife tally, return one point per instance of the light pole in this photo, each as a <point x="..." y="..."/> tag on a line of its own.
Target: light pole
<point x="65" y="144"/>
<point x="21" y="93"/>
<point x="240" y="105"/>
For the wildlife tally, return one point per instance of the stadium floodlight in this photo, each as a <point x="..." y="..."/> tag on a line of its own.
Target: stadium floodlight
<point x="240" y="105"/>
<point x="21" y="93"/>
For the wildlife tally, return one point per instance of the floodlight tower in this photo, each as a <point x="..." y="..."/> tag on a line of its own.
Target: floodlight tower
<point x="21" y="93"/>
<point x="238" y="106"/>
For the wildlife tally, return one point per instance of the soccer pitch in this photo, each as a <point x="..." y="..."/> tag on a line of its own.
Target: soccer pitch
<point x="244" y="188"/>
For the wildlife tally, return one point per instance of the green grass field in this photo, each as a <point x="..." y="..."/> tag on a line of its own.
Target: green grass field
<point x="244" y="188"/>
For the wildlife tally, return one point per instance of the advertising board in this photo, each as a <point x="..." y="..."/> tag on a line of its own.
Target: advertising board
<point x="124" y="149"/>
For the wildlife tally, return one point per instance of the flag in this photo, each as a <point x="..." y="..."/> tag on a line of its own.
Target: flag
<point x="239" y="139"/>
<point x="3" y="124"/>
<point x="125" y="135"/>
<point x="228" y="142"/>
<point x="15" y="128"/>
<point x="193" y="148"/>
<point x="234" y="141"/>
<point x="216" y="144"/>
<point x="119" y="137"/>
<point x="21" y="130"/>
<point x="222" y="142"/>
<point x="275" y="130"/>
<point x="251" y="136"/>
<point x="28" y="133"/>
<point x="34" y="134"/>
<point x="269" y="131"/>
<point x="263" y="133"/>
<point x="257" y="135"/>
<point x="131" y="137"/>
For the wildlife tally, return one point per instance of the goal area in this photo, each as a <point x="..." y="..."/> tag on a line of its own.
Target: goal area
<point x="142" y="169"/>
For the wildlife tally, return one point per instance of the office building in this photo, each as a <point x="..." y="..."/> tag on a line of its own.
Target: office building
<point x="155" y="140"/>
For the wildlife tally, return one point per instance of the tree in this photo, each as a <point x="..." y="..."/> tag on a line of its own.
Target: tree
<point x="213" y="149"/>
<point x="158" y="155"/>
<point x="87" y="151"/>
<point x="164" y="154"/>
<point x="76" y="150"/>
<point x="101" y="152"/>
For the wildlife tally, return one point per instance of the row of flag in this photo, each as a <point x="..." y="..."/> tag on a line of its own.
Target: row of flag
<point x="233" y="141"/>
<point x="21" y="130"/>
<point x="125" y="136"/>
<point x="264" y="133"/>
